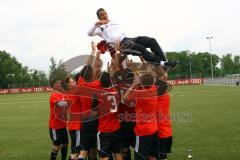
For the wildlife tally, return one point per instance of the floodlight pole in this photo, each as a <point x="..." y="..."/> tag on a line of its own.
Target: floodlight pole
<point x="210" y="48"/>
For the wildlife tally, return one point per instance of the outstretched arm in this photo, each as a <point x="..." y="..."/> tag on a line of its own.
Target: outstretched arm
<point x="156" y="72"/>
<point x="91" y="57"/>
<point x="128" y="95"/>
<point x="143" y="65"/>
<point x="115" y="63"/>
<point x="97" y="66"/>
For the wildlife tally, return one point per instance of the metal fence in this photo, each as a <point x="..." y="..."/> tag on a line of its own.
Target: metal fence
<point x="228" y="81"/>
<point x="27" y="85"/>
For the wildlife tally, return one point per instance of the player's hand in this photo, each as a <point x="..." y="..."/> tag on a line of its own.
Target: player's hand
<point x="115" y="61"/>
<point x="93" y="47"/>
<point x="112" y="67"/>
<point x="62" y="103"/>
<point x="142" y="59"/>
<point x="117" y="46"/>
<point x="98" y="54"/>
<point x="99" y="23"/>
<point x="130" y="64"/>
<point x="98" y="64"/>
<point x="136" y="80"/>
<point x="97" y="68"/>
<point x="144" y="64"/>
<point x="108" y="68"/>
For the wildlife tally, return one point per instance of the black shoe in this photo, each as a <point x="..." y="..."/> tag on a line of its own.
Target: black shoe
<point x="170" y="64"/>
<point x="162" y="156"/>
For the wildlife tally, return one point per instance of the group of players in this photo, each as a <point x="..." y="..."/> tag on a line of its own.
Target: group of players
<point x="125" y="107"/>
<point x="110" y="112"/>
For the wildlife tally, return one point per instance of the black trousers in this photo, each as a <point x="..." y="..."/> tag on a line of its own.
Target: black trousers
<point x="138" y="47"/>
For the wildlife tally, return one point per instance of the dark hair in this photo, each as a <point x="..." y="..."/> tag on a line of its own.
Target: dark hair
<point x="77" y="76"/>
<point x="99" y="10"/>
<point x="129" y="76"/>
<point x="52" y="82"/>
<point x="146" y="80"/>
<point x="87" y="73"/>
<point x="65" y="83"/>
<point x="105" y="80"/>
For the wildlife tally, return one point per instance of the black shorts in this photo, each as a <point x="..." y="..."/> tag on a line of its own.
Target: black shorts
<point x="88" y="140"/>
<point x="75" y="141"/>
<point x="109" y="143"/>
<point x="127" y="132"/>
<point x="165" y="145"/>
<point x="146" y="146"/>
<point x="58" y="136"/>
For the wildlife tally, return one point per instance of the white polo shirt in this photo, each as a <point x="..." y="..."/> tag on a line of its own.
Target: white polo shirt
<point x="110" y="32"/>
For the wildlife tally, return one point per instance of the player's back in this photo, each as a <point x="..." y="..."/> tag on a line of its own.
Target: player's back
<point x="55" y="121"/>
<point x="163" y="106"/>
<point x="164" y="116"/>
<point x="109" y="122"/>
<point x="87" y="101"/>
<point x="86" y="106"/>
<point x="146" y="102"/>
<point x="74" y="122"/>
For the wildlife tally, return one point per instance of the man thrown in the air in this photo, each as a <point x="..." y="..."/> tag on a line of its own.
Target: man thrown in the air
<point x="137" y="46"/>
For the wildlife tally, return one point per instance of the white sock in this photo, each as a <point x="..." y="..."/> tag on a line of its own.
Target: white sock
<point x="162" y="63"/>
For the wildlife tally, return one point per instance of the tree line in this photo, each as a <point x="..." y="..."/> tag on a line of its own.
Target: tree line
<point x="198" y="65"/>
<point x="192" y="65"/>
<point x="14" y="75"/>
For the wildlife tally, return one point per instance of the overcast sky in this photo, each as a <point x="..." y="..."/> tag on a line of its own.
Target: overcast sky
<point x="35" y="30"/>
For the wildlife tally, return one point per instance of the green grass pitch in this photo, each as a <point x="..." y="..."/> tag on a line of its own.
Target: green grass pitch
<point x="206" y="119"/>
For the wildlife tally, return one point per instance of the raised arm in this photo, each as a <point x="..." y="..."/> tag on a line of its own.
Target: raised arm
<point x="93" y="31"/>
<point x="129" y="94"/>
<point x="92" y="55"/>
<point x="143" y="66"/>
<point x="97" y="66"/>
<point x="116" y="59"/>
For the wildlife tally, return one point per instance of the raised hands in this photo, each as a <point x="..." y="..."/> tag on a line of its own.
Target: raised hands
<point x="99" y="23"/>
<point x="93" y="46"/>
<point x="91" y="57"/>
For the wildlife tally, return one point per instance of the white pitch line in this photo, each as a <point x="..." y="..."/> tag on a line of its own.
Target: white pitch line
<point x="171" y="93"/>
<point x="25" y="102"/>
<point x="24" y="99"/>
<point x="210" y="91"/>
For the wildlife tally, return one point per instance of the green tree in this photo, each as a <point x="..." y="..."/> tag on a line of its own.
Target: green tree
<point x="206" y="69"/>
<point x="10" y="69"/>
<point x="196" y="65"/>
<point x="236" y="60"/>
<point x="57" y="71"/>
<point x="199" y="64"/>
<point x="227" y="64"/>
<point x="13" y="74"/>
<point x="53" y="65"/>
